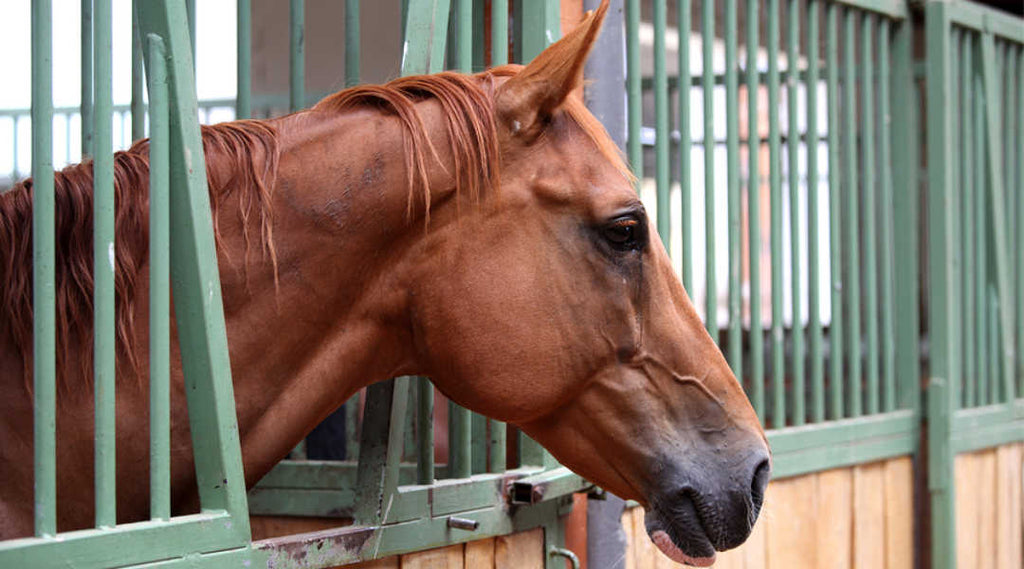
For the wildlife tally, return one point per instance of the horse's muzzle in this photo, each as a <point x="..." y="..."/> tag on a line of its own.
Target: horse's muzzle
<point x="702" y="510"/>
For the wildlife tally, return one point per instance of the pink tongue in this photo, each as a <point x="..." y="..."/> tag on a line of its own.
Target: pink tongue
<point x="664" y="543"/>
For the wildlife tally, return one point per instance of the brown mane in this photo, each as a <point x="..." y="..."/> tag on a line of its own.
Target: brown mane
<point x="242" y="159"/>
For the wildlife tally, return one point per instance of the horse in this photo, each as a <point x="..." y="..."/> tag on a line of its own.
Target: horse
<point x="481" y="230"/>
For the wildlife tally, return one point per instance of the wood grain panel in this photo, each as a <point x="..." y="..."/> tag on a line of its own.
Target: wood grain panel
<point x="631" y="538"/>
<point x="834" y="532"/>
<point x="869" y="516"/>
<point x="986" y="472"/>
<point x="899" y="513"/>
<point x="1010" y="507"/>
<point x="519" y="551"/>
<point x="443" y="558"/>
<point x="386" y="563"/>
<point x="966" y="504"/>
<point x="480" y="554"/>
<point x="791" y="523"/>
<point x="755" y="549"/>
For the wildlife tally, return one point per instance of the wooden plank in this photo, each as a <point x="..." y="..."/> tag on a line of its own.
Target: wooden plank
<point x="986" y="509"/>
<point x="627" y="527"/>
<point x="442" y="558"/>
<point x="966" y="487"/>
<point x="386" y="563"/>
<point x="1010" y="470"/>
<point x="647" y="554"/>
<point x="834" y="535"/>
<point x="755" y="550"/>
<point x="899" y="513"/>
<point x="791" y="527"/>
<point x="519" y="551"/>
<point x="869" y="515"/>
<point x="480" y="554"/>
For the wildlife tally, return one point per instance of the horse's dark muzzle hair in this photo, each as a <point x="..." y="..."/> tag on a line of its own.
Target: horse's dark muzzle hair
<point x="704" y="507"/>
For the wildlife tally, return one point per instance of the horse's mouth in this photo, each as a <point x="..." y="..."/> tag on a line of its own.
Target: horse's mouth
<point x="681" y="539"/>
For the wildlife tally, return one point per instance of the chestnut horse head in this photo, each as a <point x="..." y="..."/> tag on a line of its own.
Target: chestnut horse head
<point x="482" y="230"/>
<point x="554" y="306"/>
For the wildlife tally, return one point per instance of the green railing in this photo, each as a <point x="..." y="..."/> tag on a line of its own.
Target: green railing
<point x="826" y="342"/>
<point x="975" y="94"/>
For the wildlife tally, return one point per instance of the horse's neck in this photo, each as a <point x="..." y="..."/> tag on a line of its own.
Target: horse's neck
<point x="334" y="318"/>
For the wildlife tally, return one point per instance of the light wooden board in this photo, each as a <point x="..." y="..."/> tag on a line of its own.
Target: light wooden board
<point x="443" y="558"/>
<point x="386" y="563"/>
<point x="834" y="530"/>
<point x="966" y="504"/>
<point x="480" y="554"/>
<point x="519" y="551"/>
<point x="899" y="513"/>
<point x="986" y="483"/>
<point x="791" y="523"/>
<point x="1010" y="512"/>
<point x="868" y="515"/>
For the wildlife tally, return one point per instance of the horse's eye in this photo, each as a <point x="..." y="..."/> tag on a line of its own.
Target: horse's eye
<point x="622" y="233"/>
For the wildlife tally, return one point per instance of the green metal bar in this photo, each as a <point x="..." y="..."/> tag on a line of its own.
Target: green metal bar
<point x="352" y="409"/>
<point x="44" y="323"/>
<point x="497" y="433"/>
<point x="541" y="26"/>
<point x="870" y="214"/>
<point x="479" y="443"/>
<point x="835" y="213"/>
<point x="967" y="188"/>
<point x="793" y="147"/>
<point x="243" y="89"/>
<point x="888" y="262"/>
<point x="998" y="205"/>
<point x="775" y="180"/>
<point x="905" y="203"/>
<point x="352" y="43"/>
<point x="685" y="142"/>
<point x="104" y="353"/>
<point x="1020" y="220"/>
<point x="425" y="37"/>
<point x="190" y="9"/>
<point x="707" y="86"/>
<point x="424" y="431"/>
<point x="661" y="126"/>
<point x="138" y="110"/>
<point x="634" y="102"/>
<point x="199" y="313"/>
<point x="459" y="444"/>
<point x="754" y="211"/>
<point x="817" y="359"/>
<point x="296" y="55"/>
<point x="977" y="150"/>
<point x="464" y="35"/>
<point x="732" y="135"/>
<point x="499" y="34"/>
<point x="380" y="451"/>
<point x="159" y="286"/>
<point x="943" y="337"/>
<point x="86" y="93"/>
<point x="851" y="278"/>
<point x="960" y="254"/>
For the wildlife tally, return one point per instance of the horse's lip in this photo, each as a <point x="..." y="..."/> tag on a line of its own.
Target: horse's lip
<point x="695" y="549"/>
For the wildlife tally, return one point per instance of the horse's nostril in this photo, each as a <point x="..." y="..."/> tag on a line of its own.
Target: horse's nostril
<point x="762" y="474"/>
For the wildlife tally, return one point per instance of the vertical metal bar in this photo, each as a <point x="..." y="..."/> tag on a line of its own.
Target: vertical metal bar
<point x="870" y="220"/>
<point x="499" y="32"/>
<point x="775" y="181"/>
<point x="944" y="365"/>
<point x="906" y="141"/>
<point x="851" y="280"/>
<point x="793" y="148"/>
<point x="479" y="443"/>
<point x="464" y="30"/>
<point x="817" y="368"/>
<point x="103" y="270"/>
<point x="297" y="57"/>
<point x="86" y="103"/>
<point x="541" y="26"/>
<point x="633" y="94"/>
<point x="425" y="431"/>
<point x="835" y="215"/>
<point x="380" y="450"/>
<point x="966" y="215"/>
<point x="15" y="174"/>
<point x="661" y="132"/>
<point x="960" y="254"/>
<point x="754" y="211"/>
<point x="497" y="446"/>
<point x="425" y="37"/>
<point x="732" y="137"/>
<point x="888" y="262"/>
<point x="159" y="286"/>
<point x="138" y="110"/>
<point x="352" y="410"/>
<point x="707" y="88"/>
<point x="1020" y="220"/>
<point x="352" y="43"/>
<point x="685" y="83"/>
<point x="190" y="10"/>
<point x="1002" y="339"/>
<point x="977" y="150"/>
<point x="243" y="89"/>
<point x="44" y="322"/>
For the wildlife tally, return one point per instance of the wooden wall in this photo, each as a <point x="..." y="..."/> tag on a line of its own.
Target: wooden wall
<point x="990" y="508"/>
<point x="838" y="519"/>
<point x="517" y="551"/>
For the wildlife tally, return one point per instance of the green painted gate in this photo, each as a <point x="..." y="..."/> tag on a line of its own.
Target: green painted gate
<point x="835" y="389"/>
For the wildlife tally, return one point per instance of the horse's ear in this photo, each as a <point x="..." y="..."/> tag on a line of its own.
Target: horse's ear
<point x="527" y="101"/>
